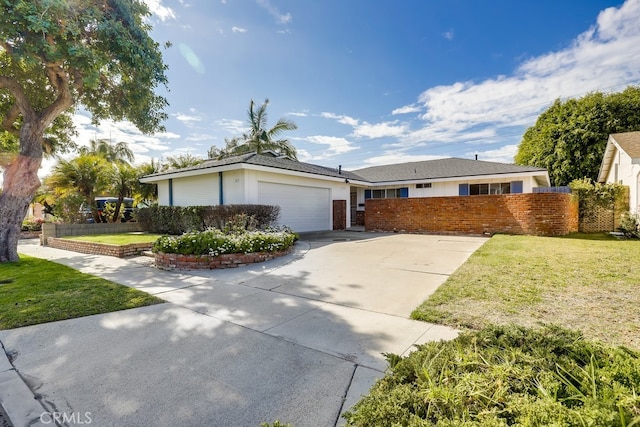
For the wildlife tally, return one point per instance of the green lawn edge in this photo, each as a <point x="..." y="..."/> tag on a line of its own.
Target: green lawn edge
<point x="582" y="282"/>
<point x="35" y="291"/>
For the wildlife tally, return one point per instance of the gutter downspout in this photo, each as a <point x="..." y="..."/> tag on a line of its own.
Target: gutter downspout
<point x="221" y="189"/>
<point x="170" y="192"/>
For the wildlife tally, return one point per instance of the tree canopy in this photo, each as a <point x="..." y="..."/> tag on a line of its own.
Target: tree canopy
<point x="570" y="137"/>
<point x="258" y="138"/>
<point x="57" y="54"/>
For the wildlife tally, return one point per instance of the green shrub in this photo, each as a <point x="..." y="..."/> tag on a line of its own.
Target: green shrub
<point x="214" y="242"/>
<point x="176" y="220"/>
<point x="504" y="376"/>
<point x="32" y="224"/>
<point x="630" y="224"/>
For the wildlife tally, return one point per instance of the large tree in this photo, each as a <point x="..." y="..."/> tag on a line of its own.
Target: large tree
<point x="258" y="139"/>
<point x="56" y="54"/>
<point x="569" y="138"/>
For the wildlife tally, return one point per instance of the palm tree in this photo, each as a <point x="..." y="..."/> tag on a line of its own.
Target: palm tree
<point x="258" y="139"/>
<point x="181" y="161"/>
<point x="114" y="153"/>
<point x="85" y="175"/>
<point x="147" y="193"/>
<point x="123" y="178"/>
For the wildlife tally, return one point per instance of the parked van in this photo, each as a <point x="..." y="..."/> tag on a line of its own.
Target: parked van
<point x="126" y="208"/>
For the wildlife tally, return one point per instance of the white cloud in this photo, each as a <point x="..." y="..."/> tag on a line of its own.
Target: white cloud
<point x="157" y="8"/>
<point x="336" y="145"/>
<point x="188" y="118"/>
<point x="605" y="58"/>
<point x="380" y="130"/>
<point x="345" y="120"/>
<point x="503" y="154"/>
<point x="235" y="127"/>
<point x="299" y="114"/>
<point x="281" y="18"/>
<point x="238" y="30"/>
<point x="407" y="109"/>
<point x="448" y="35"/>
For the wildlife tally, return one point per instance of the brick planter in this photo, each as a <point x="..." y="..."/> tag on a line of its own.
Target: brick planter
<point x="166" y="261"/>
<point x="120" y="251"/>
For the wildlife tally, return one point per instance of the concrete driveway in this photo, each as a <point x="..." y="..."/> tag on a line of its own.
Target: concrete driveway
<point x="298" y="339"/>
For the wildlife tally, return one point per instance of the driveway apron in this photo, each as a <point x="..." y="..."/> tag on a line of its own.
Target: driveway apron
<point x="297" y="339"/>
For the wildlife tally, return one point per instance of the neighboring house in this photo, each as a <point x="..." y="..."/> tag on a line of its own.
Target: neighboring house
<point x="621" y="164"/>
<point x="305" y="192"/>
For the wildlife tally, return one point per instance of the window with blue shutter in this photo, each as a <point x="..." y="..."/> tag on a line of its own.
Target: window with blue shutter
<point x="463" y="190"/>
<point x="516" y="186"/>
<point x="367" y="194"/>
<point x="404" y="192"/>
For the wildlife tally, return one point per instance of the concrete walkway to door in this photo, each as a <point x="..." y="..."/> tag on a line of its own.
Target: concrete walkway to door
<point x="298" y="339"/>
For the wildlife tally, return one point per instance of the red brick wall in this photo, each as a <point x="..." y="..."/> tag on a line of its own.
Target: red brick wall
<point x="196" y="262"/>
<point x="339" y="214"/>
<point x="544" y="214"/>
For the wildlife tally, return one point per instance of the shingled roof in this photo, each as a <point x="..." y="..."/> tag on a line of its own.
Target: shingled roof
<point x="267" y="160"/>
<point x="629" y="142"/>
<point x="438" y="169"/>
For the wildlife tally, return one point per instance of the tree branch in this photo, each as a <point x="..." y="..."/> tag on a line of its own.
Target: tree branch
<point x="10" y="118"/>
<point x="22" y="102"/>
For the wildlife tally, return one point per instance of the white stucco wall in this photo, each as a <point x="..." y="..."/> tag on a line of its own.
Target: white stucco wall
<point x="200" y="190"/>
<point x="451" y="188"/>
<point x="628" y="174"/>
<point x="163" y="193"/>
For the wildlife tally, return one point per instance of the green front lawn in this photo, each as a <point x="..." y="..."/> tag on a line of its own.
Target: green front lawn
<point x="117" y="239"/>
<point x="589" y="283"/>
<point x="35" y="291"/>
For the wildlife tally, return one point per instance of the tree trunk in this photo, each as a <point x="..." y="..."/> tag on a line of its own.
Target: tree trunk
<point x="19" y="187"/>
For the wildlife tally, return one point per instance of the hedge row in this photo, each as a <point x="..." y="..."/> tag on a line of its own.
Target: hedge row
<point x="178" y="220"/>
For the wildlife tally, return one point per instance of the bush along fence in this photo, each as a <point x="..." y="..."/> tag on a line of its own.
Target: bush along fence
<point x="601" y="207"/>
<point x="176" y="220"/>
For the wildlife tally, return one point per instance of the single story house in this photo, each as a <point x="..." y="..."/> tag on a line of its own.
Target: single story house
<point x="621" y="164"/>
<point x="305" y="192"/>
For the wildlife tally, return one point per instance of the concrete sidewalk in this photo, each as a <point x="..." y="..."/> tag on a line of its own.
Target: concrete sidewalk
<point x="298" y="339"/>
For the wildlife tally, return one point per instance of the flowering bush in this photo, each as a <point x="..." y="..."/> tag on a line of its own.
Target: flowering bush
<point x="214" y="242"/>
<point x="32" y="224"/>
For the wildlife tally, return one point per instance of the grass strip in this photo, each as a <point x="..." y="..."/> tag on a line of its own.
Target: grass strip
<point x="117" y="239"/>
<point x="35" y="291"/>
<point x="586" y="282"/>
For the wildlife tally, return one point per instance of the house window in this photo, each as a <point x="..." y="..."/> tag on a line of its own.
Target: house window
<point x="424" y="185"/>
<point x="477" y="189"/>
<point x="492" y="188"/>
<point x="390" y="193"/>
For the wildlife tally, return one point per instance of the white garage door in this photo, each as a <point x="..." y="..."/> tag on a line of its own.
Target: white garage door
<point x="301" y="208"/>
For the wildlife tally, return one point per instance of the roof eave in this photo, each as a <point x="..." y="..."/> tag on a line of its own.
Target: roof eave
<point x="607" y="159"/>
<point x="541" y="174"/>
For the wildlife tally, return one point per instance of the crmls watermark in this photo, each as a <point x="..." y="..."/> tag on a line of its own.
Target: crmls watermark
<point x="65" y="418"/>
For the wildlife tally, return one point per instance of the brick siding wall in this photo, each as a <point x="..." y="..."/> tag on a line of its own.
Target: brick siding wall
<point x="120" y="251"/>
<point x="200" y="262"/>
<point x="339" y="214"/>
<point x="546" y="214"/>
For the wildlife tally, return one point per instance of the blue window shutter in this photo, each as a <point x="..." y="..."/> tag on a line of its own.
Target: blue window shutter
<point x="516" y="186"/>
<point x="367" y="194"/>
<point x="463" y="190"/>
<point x="404" y="192"/>
<point x="170" y="192"/>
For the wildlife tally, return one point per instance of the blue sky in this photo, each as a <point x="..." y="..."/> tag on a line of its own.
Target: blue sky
<point x="372" y="82"/>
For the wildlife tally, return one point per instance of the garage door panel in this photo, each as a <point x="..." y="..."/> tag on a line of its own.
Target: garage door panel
<point x="301" y="208"/>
